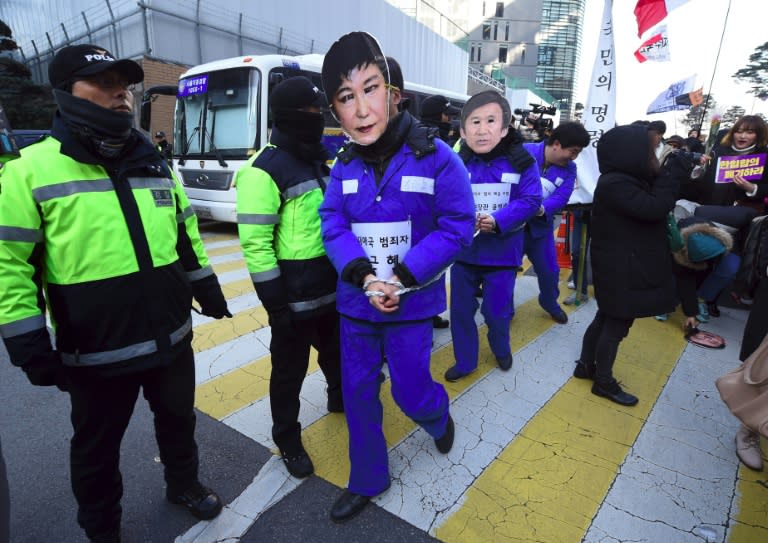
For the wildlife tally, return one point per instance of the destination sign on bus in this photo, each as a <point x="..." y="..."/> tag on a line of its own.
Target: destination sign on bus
<point x="193" y="85"/>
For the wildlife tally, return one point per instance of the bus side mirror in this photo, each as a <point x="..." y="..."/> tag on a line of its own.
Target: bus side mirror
<point x="145" y="116"/>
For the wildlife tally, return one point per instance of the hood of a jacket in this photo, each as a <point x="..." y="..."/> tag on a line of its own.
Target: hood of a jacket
<point x="681" y="256"/>
<point x="625" y="149"/>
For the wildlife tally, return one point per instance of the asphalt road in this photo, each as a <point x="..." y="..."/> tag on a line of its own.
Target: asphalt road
<point x="35" y="432"/>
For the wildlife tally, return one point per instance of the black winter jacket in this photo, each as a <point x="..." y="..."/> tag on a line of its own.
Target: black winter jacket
<point x="631" y="260"/>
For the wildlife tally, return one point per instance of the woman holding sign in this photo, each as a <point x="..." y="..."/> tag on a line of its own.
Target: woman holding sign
<point x="507" y="192"/>
<point x="736" y="174"/>
<point x="397" y="211"/>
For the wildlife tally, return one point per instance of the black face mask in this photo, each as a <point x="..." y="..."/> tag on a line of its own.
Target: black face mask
<point x="304" y="126"/>
<point x="104" y="131"/>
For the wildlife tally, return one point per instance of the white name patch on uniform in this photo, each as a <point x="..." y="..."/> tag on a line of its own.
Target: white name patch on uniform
<point x="512" y="178"/>
<point x="349" y="186"/>
<point x="559" y="181"/>
<point x="413" y="183"/>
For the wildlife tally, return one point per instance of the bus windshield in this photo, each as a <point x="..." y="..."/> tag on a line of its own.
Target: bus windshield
<point x="216" y="114"/>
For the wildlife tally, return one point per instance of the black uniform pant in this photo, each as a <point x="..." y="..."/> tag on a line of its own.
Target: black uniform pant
<point x="601" y="344"/>
<point x="101" y="409"/>
<point x="289" y="348"/>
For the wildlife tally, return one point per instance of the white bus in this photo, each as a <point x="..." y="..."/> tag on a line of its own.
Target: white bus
<point x="222" y="118"/>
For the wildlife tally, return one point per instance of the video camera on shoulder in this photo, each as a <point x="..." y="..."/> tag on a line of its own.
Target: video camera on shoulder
<point x="538" y="125"/>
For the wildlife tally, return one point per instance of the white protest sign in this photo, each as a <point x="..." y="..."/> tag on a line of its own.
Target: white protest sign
<point x="385" y="244"/>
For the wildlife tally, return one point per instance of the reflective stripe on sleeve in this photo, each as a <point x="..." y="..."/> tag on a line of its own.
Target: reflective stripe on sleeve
<point x="194" y="275"/>
<point x="255" y="218"/>
<point x="16" y="233"/>
<point x="298" y="307"/>
<point x="185" y="214"/>
<point x="262" y="277"/>
<point x="48" y="192"/>
<point x="22" y="326"/>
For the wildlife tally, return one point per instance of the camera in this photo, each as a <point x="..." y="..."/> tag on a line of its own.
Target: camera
<point x="538" y="127"/>
<point x="690" y="156"/>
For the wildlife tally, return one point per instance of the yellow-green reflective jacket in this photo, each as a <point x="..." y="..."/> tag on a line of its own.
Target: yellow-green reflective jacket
<point x="114" y="251"/>
<point x="278" y="196"/>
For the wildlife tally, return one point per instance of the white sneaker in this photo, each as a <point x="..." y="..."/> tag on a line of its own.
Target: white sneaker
<point x="748" y="448"/>
<point x="571" y="300"/>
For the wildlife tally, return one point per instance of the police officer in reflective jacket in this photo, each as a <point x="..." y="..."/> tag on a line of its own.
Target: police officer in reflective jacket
<point x="93" y="223"/>
<point x="278" y="194"/>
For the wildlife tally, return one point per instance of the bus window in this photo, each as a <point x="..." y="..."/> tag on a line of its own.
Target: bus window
<point x="216" y="114"/>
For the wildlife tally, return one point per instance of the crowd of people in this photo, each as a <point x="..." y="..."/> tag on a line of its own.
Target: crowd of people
<point x="350" y="260"/>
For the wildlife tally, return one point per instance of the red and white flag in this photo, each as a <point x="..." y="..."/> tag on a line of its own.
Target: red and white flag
<point x="655" y="48"/>
<point x="651" y="12"/>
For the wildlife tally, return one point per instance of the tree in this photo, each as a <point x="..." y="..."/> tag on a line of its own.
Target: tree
<point x="732" y="115"/>
<point x="756" y="72"/>
<point x="26" y="104"/>
<point x="693" y="119"/>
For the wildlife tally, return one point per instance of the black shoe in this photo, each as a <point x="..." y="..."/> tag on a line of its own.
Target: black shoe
<point x="335" y="402"/>
<point x="453" y="374"/>
<point x="445" y="443"/>
<point x="201" y="501"/>
<point x="713" y="310"/>
<point x="349" y="504"/>
<point x="504" y="363"/>
<point x="559" y="316"/>
<point x="584" y="371"/>
<point x="613" y="392"/>
<point x="440" y="322"/>
<point x="299" y="465"/>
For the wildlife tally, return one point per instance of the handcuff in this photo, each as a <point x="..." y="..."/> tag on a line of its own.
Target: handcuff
<point x="371" y="293"/>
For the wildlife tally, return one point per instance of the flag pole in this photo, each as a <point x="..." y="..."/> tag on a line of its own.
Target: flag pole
<point x="714" y="70"/>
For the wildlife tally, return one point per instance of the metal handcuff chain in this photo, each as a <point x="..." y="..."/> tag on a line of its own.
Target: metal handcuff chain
<point x="400" y="288"/>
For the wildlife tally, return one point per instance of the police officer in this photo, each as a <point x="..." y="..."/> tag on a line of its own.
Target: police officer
<point x="278" y="193"/>
<point x="399" y="197"/>
<point x="163" y="147"/>
<point x="555" y="158"/>
<point x="92" y="219"/>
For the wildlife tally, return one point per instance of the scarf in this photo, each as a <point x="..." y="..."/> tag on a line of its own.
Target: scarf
<point x="103" y="131"/>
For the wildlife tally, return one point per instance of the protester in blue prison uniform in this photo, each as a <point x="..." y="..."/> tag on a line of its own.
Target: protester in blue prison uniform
<point x="507" y="192"/>
<point x="555" y="159"/>
<point x="396" y="180"/>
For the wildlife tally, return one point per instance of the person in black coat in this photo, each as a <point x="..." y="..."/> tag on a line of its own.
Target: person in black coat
<point x="631" y="261"/>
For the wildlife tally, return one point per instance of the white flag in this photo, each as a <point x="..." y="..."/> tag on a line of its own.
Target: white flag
<point x="599" y="112"/>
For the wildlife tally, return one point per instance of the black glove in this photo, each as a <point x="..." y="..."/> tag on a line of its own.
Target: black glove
<point x="45" y="369"/>
<point x="208" y="294"/>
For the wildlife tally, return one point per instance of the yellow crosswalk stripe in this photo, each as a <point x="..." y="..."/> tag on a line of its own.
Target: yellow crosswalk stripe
<point x="224" y="267"/>
<point x="548" y="484"/>
<point x="751" y="507"/>
<point x="229" y="249"/>
<point x="237" y="288"/>
<point x="216" y="332"/>
<point x="239" y="388"/>
<point x="327" y="439"/>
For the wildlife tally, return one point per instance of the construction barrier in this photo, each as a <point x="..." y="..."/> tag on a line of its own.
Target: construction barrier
<point x="563" y="242"/>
